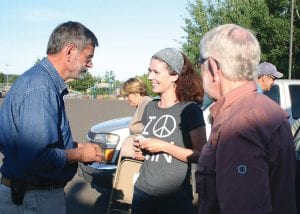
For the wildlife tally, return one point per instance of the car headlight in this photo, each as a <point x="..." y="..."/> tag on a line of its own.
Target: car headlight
<point x="108" y="143"/>
<point x="107" y="138"/>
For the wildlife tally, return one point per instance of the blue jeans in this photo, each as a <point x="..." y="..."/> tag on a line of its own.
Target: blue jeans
<point x="177" y="203"/>
<point x="35" y="202"/>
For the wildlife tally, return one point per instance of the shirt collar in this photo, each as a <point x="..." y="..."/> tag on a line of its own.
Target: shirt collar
<point x="259" y="89"/>
<point x="55" y="76"/>
<point x="232" y="96"/>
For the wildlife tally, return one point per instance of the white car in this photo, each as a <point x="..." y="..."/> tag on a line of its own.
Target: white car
<point x="109" y="135"/>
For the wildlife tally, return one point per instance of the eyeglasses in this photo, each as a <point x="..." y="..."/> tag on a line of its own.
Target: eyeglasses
<point x="272" y="77"/>
<point x="201" y="60"/>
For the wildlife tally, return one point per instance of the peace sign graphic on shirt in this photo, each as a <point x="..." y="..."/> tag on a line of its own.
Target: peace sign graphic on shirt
<point x="164" y="126"/>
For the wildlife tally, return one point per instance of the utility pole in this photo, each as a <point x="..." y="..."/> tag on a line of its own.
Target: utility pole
<point x="291" y="38"/>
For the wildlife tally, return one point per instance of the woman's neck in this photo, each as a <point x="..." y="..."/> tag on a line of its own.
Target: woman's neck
<point x="167" y="101"/>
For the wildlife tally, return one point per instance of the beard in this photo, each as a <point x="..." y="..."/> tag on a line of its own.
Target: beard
<point x="82" y="74"/>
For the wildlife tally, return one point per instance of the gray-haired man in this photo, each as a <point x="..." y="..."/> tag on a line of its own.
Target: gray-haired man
<point x="248" y="163"/>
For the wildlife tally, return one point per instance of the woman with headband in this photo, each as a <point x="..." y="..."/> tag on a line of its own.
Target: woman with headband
<point x="172" y="138"/>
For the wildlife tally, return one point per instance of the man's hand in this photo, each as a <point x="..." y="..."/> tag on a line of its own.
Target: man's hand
<point x="90" y="152"/>
<point x="85" y="152"/>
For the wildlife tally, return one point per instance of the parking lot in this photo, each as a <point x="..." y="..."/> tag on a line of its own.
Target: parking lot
<point x="83" y="197"/>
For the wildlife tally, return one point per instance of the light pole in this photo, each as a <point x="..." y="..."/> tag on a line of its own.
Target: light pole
<point x="291" y="39"/>
<point x="7" y="66"/>
<point x="110" y="81"/>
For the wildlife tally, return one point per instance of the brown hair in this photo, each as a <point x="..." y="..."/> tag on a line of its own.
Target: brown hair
<point x="189" y="83"/>
<point x="134" y="86"/>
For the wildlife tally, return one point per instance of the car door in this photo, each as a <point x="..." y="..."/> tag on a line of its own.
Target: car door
<point x="287" y="94"/>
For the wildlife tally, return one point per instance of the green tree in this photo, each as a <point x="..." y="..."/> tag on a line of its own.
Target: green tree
<point x="109" y="77"/>
<point x="268" y="19"/>
<point x="2" y="77"/>
<point x="147" y="82"/>
<point x="83" y="84"/>
<point x="195" y="26"/>
<point x="12" y="78"/>
<point x="37" y="61"/>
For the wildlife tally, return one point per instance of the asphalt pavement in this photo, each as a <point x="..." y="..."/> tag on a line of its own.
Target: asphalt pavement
<point x="81" y="196"/>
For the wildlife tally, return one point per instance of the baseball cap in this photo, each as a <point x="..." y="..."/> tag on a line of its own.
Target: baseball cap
<point x="267" y="68"/>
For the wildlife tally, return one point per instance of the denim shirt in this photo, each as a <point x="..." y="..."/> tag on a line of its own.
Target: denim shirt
<point x="34" y="128"/>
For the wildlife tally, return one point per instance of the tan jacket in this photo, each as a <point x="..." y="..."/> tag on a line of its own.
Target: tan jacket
<point x="136" y="127"/>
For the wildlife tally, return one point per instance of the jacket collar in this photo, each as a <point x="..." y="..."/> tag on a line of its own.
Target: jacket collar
<point x="59" y="83"/>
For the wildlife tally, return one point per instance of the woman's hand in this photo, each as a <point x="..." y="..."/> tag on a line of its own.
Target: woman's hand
<point x="138" y="154"/>
<point x="153" y="145"/>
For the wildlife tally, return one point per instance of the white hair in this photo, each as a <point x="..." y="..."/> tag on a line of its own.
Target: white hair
<point x="236" y="50"/>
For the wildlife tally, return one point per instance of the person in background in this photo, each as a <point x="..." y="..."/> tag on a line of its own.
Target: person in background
<point x="267" y="73"/>
<point x="248" y="163"/>
<point x="172" y="138"/>
<point x="134" y="89"/>
<point x="40" y="156"/>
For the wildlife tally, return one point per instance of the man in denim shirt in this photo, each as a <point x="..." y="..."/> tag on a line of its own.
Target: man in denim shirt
<point x="40" y="156"/>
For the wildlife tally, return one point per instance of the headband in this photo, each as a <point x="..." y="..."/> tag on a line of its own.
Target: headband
<point x="172" y="57"/>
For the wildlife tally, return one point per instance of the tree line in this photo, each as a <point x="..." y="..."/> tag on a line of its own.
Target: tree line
<point x="7" y="79"/>
<point x="270" y="20"/>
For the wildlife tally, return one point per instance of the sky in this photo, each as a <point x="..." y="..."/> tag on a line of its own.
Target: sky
<point x="129" y="32"/>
